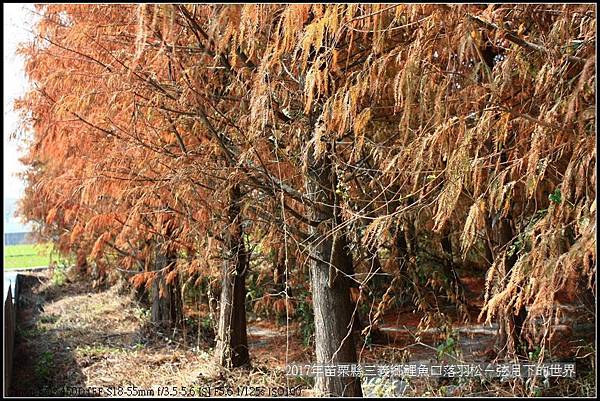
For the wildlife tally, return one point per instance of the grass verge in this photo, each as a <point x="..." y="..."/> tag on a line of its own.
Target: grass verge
<point x="28" y="255"/>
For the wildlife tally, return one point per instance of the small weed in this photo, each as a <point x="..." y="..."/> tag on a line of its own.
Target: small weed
<point x="142" y="313"/>
<point x="50" y="319"/>
<point x="44" y="366"/>
<point x="535" y="354"/>
<point x="207" y="324"/>
<point x="446" y="348"/>
<point x="31" y="332"/>
<point x="138" y="346"/>
<point x="556" y="197"/>
<point x="58" y="276"/>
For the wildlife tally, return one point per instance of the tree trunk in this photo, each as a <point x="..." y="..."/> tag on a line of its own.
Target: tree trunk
<point x="400" y="249"/>
<point x="410" y="241"/>
<point x="449" y="269"/>
<point x="510" y="322"/>
<point x="167" y="309"/>
<point x="141" y="295"/>
<point x="333" y="306"/>
<point x="232" y="341"/>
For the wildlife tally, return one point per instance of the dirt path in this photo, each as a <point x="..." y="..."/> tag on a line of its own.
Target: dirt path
<point x="71" y="335"/>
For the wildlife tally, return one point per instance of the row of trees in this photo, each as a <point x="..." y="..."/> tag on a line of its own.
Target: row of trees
<point x="169" y="140"/>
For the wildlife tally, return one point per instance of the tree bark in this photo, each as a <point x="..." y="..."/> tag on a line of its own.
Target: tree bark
<point x="510" y="323"/>
<point x="232" y="341"/>
<point x="449" y="269"/>
<point x="400" y="249"/>
<point x="166" y="310"/>
<point x="333" y="306"/>
<point x="141" y="295"/>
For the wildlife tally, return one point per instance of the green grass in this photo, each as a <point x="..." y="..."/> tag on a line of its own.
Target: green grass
<point x="28" y="255"/>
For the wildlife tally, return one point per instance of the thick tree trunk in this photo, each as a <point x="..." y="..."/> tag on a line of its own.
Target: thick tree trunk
<point x="333" y="306"/>
<point x="232" y="342"/>
<point x="167" y="309"/>
<point x="510" y="322"/>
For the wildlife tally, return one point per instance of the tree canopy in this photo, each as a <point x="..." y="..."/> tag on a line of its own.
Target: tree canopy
<point x="380" y="129"/>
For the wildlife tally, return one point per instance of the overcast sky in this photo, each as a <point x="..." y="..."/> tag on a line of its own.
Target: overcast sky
<point x="17" y="23"/>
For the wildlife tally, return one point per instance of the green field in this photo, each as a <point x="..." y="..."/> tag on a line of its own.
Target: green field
<point x="28" y="255"/>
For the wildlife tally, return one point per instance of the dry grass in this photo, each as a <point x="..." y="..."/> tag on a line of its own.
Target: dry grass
<point x="110" y="340"/>
<point x="73" y="335"/>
